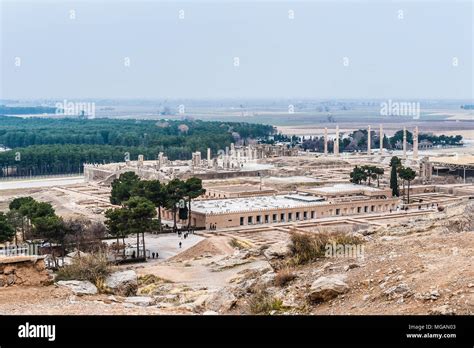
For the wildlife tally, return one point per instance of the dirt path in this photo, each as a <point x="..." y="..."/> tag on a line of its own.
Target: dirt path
<point x="192" y="266"/>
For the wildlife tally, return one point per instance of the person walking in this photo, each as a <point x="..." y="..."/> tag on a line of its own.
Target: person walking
<point x="180" y="244"/>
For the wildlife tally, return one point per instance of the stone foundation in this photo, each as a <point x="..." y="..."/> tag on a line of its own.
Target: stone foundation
<point x="23" y="270"/>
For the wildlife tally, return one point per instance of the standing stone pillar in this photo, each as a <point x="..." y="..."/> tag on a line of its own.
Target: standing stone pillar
<point x="209" y="164"/>
<point x="325" y="141"/>
<point x="160" y="160"/>
<point x="369" y="141"/>
<point x="404" y="142"/>
<point x="381" y="139"/>
<point x="336" y="142"/>
<point x="415" y="143"/>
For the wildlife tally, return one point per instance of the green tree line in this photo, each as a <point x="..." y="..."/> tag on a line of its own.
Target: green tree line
<point x="62" y="146"/>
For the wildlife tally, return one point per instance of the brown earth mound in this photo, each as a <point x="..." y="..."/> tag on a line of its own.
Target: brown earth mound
<point x="208" y="247"/>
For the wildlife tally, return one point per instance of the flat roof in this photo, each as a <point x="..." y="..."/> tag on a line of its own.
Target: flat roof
<point x="466" y="160"/>
<point x="218" y="206"/>
<point x="291" y="179"/>
<point x="340" y="188"/>
<point x="240" y="188"/>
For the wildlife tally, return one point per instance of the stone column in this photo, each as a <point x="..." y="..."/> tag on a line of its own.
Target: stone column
<point x="209" y="164"/>
<point x="381" y="139"/>
<point x="369" y="140"/>
<point x="404" y="142"/>
<point x="325" y="141"/>
<point x="336" y="142"/>
<point x="415" y="143"/>
<point x="160" y="160"/>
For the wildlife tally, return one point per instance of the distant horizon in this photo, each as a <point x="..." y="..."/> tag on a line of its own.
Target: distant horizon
<point x="236" y="99"/>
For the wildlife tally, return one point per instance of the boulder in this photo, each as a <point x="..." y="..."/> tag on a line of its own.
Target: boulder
<point x="199" y="302"/>
<point x="79" y="287"/>
<point x="326" y="288"/>
<point x="222" y="300"/>
<point x="276" y="251"/>
<point x="124" y="283"/>
<point x="142" y="301"/>
<point x="443" y="310"/>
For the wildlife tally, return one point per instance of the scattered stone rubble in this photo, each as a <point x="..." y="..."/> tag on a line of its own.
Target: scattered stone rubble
<point x="79" y="287"/>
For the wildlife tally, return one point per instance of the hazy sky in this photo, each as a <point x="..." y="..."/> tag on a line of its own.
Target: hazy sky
<point x="194" y="57"/>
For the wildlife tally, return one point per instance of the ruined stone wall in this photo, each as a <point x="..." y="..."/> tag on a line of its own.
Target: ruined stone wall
<point x="23" y="270"/>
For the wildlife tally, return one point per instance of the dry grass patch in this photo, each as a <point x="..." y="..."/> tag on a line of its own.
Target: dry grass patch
<point x="239" y="244"/>
<point x="284" y="276"/>
<point x="261" y="302"/>
<point x="92" y="267"/>
<point x="148" y="279"/>
<point x="344" y="238"/>
<point x="308" y="247"/>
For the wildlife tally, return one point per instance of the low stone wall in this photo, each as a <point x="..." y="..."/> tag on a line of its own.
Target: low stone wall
<point x="23" y="270"/>
<point x="419" y="189"/>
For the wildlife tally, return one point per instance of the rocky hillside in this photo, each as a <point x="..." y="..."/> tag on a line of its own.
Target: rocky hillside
<point x="419" y="266"/>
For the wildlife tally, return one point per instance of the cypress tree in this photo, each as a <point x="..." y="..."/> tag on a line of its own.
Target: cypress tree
<point x="394" y="163"/>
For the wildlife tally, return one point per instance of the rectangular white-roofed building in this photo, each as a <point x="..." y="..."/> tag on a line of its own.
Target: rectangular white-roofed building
<point x="308" y="205"/>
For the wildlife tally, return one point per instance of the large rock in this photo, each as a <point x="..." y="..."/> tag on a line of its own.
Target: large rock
<point x="276" y="251"/>
<point x="123" y="283"/>
<point x="79" y="287"/>
<point x="326" y="288"/>
<point x="142" y="301"/>
<point x="221" y="300"/>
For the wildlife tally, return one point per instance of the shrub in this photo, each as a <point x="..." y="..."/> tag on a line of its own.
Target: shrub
<point x="261" y="302"/>
<point x="345" y="238"/>
<point x="148" y="279"/>
<point x="92" y="267"/>
<point x="307" y="247"/>
<point x="284" y="276"/>
<point x="149" y="284"/>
